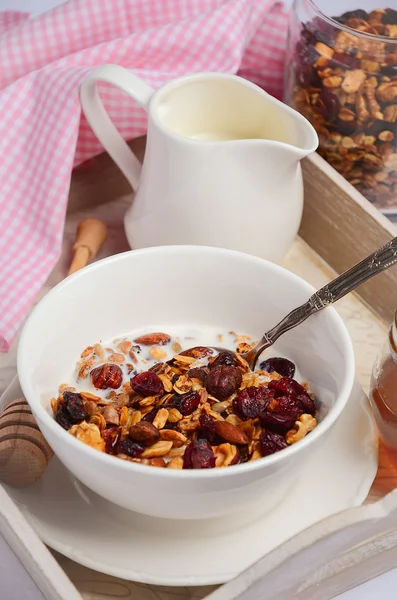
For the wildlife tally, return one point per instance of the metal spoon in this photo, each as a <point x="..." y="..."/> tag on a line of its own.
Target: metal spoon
<point x="379" y="261"/>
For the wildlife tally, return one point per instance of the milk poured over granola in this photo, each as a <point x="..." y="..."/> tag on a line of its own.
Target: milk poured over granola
<point x="141" y="357"/>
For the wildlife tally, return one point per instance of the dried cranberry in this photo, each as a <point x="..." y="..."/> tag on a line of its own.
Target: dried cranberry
<point x="225" y="358"/>
<point x="62" y="417"/>
<point x="308" y="36"/>
<point x="199" y="455"/>
<point x="282" y="366"/>
<point x="186" y="403"/>
<point x="150" y="416"/>
<point x="106" y="376"/>
<point x="291" y="388"/>
<point x="306" y="56"/>
<point x="359" y="13"/>
<point x="271" y="442"/>
<point x="207" y="430"/>
<point x="389" y="71"/>
<point x="279" y="423"/>
<point x="129" y="448"/>
<point x="286" y="405"/>
<point x="111" y="437"/>
<point x="244" y="454"/>
<point x="307" y="404"/>
<point x="346" y="60"/>
<point x="74" y="405"/>
<point x="345" y="127"/>
<point x="329" y="104"/>
<point x="390" y="17"/>
<point x="223" y="381"/>
<point x="147" y="384"/>
<point x="199" y="373"/>
<point x="286" y="387"/>
<point x="252" y="401"/>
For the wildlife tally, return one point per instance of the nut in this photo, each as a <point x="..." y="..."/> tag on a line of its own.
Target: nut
<point x="106" y="376"/>
<point x="353" y="81"/>
<point x="176" y="463"/>
<point x="225" y="455"/>
<point x="124" y="346"/>
<point x="374" y="107"/>
<point x="136" y="417"/>
<point x="145" y="433"/>
<point x="387" y="92"/>
<point x="167" y="383"/>
<point x="302" y="427"/>
<point x="157" y="353"/>
<point x="230" y="433"/>
<point x="183" y="385"/>
<point x="161" y="418"/>
<point x="170" y="435"/>
<point x="125" y="417"/>
<point x="386" y="136"/>
<point x="89" y="350"/>
<point x="324" y="50"/>
<point x="89" y="434"/>
<point x="99" y="420"/>
<point x="174" y="415"/>
<point x="153" y="339"/>
<point x="161" y="448"/>
<point x="390" y="113"/>
<point x="332" y="82"/>
<point x="176" y="347"/>
<point x="116" y="357"/>
<point x="111" y="415"/>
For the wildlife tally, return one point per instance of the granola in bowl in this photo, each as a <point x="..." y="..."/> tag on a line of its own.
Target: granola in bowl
<point x="156" y="400"/>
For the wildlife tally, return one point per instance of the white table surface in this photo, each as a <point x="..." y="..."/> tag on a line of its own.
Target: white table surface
<point x="16" y="584"/>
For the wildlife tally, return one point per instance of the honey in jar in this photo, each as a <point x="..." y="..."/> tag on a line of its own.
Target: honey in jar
<point x="383" y="394"/>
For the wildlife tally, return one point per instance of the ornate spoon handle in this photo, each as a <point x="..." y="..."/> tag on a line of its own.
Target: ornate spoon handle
<point x="380" y="260"/>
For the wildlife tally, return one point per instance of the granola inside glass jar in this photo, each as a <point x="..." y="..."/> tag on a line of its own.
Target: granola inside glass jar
<point x="341" y="75"/>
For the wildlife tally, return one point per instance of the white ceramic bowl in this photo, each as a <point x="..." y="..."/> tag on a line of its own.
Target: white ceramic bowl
<point x="161" y="287"/>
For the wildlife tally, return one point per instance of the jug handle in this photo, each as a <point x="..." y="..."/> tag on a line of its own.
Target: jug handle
<point x="100" y="122"/>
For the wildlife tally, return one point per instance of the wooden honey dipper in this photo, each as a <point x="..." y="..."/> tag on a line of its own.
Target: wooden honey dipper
<point x="24" y="452"/>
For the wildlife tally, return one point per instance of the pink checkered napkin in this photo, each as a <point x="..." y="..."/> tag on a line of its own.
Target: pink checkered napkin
<point x="42" y="133"/>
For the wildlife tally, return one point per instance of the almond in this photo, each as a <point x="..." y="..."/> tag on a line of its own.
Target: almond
<point x="153" y="339"/>
<point x="230" y="433"/>
<point x="145" y="433"/>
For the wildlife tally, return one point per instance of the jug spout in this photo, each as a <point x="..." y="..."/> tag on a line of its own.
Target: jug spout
<point x="299" y="136"/>
<point x="290" y="134"/>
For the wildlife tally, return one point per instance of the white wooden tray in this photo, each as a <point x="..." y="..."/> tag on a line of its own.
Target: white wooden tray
<point x="323" y="561"/>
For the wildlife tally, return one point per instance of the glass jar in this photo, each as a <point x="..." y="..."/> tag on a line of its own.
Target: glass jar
<point x="341" y="74"/>
<point x="383" y="393"/>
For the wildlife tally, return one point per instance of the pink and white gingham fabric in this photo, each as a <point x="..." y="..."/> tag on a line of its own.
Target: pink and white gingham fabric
<point x="42" y="132"/>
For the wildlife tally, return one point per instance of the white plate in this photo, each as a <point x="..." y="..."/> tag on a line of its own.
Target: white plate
<point x="104" y="537"/>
